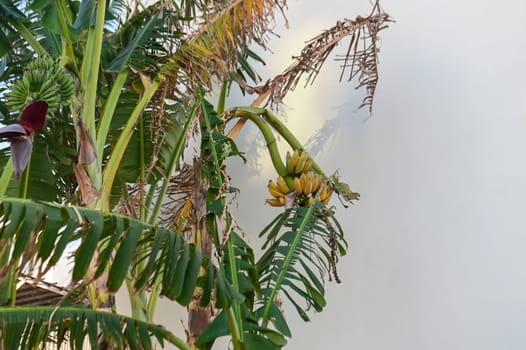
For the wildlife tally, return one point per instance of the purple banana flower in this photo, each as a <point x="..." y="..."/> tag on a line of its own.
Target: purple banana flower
<point x="20" y="135"/>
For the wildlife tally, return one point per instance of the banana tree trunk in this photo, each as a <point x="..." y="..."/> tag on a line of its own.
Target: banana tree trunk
<point x="199" y="317"/>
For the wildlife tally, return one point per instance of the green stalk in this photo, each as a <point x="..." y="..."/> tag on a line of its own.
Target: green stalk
<point x="64" y="15"/>
<point x="154" y="296"/>
<point x="7" y="173"/>
<point x="173" y="160"/>
<point x="141" y="168"/>
<point x="89" y="76"/>
<point x="92" y="60"/>
<point x="137" y="304"/>
<point x="222" y="98"/>
<point x="14" y="268"/>
<point x="109" y="110"/>
<point x="209" y="127"/>
<point x="269" y="138"/>
<point x="233" y="328"/>
<point x="235" y="284"/>
<point x="151" y="194"/>
<point x="120" y="147"/>
<point x="277" y="125"/>
<point x="286" y="264"/>
<point x="28" y="36"/>
<point x="25" y="181"/>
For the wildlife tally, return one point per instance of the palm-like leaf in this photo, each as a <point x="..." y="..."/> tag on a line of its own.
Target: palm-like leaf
<point x="36" y="327"/>
<point x="309" y="242"/>
<point x="42" y="231"/>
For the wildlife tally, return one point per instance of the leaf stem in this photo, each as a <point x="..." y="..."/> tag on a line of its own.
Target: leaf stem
<point x="233" y="328"/>
<point x="7" y="173"/>
<point x="173" y="161"/>
<point x="120" y="147"/>
<point x="270" y="139"/>
<point x="235" y="284"/>
<point x="28" y="36"/>
<point x="109" y="110"/>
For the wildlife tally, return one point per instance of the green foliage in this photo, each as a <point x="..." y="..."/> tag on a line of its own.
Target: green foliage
<point x="126" y="88"/>
<point x="34" y="327"/>
<point x="42" y="232"/>
<point x="301" y="248"/>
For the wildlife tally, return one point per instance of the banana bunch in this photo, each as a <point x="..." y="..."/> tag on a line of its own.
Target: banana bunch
<point x="325" y="193"/>
<point x="43" y="79"/>
<point x="278" y="190"/>
<point x="298" y="162"/>
<point x="308" y="185"/>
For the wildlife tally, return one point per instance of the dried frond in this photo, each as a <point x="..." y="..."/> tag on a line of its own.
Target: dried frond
<point x="361" y="57"/>
<point x="176" y="211"/>
<point x="211" y="51"/>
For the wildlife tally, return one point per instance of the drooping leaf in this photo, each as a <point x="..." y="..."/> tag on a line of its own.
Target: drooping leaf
<point x="33" y="327"/>
<point x="117" y="239"/>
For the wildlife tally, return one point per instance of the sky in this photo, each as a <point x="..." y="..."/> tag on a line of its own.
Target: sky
<point x="437" y="240"/>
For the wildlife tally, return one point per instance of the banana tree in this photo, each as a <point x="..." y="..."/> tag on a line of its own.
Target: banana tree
<point x="125" y="88"/>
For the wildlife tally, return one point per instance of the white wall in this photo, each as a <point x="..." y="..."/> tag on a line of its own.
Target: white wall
<point x="437" y="241"/>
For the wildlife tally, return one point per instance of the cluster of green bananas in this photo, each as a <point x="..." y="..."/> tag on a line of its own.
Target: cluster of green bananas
<point x="298" y="162"/>
<point x="308" y="185"/>
<point x="43" y="79"/>
<point x="278" y="190"/>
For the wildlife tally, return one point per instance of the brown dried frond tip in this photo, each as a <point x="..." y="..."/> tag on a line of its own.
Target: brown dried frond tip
<point x="360" y="60"/>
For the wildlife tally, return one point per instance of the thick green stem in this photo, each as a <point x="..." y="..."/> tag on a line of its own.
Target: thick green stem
<point x="154" y="296"/>
<point x="92" y="60"/>
<point x="25" y="180"/>
<point x="269" y="139"/>
<point x="109" y="110"/>
<point x="142" y="166"/>
<point x="28" y="36"/>
<point x="234" y="331"/>
<point x="277" y="125"/>
<point x="7" y="173"/>
<point x="222" y="98"/>
<point x="281" y="129"/>
<point x="65" y="15"/>
<point x="138" y="308"/>
<point x="89" y="82"/>
<point x="120" y="147"/>
<point x="235" y="284"/>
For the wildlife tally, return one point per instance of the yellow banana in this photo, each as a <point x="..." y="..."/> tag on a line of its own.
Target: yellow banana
<point x="308" y="165"/>
<point x="311" y="200"/>
<point x="274" y="202"/>
<point x="325" y="194"/>
<point x="274" y="189"/>
<point x="295" y="157"/>
<point x="297" y="185"/>
<point x="289" y="163"/>
<point x="283" y="187"/>
<point x="305" y="183"/>
<point x="299" y="166"/>
<point x="316" y="182"/>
